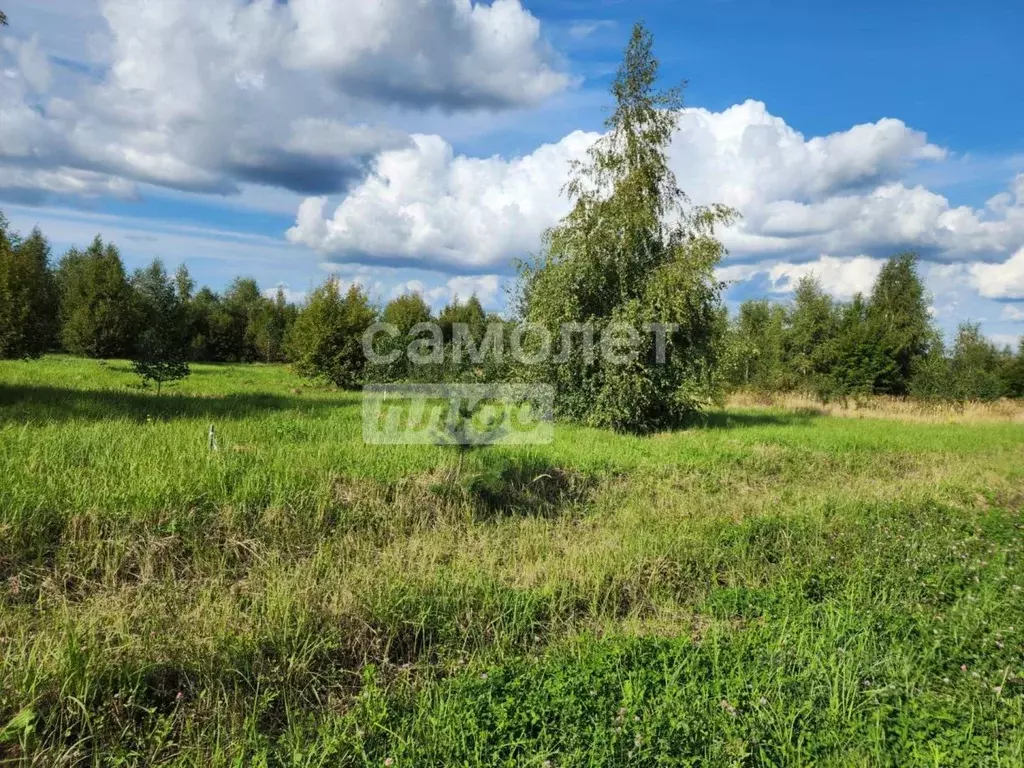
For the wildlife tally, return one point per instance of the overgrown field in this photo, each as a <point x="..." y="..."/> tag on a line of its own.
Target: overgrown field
<point x="766" y="588"/>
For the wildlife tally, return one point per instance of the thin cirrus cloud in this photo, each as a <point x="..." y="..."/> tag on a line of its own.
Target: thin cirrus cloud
<point x="207" y="95"/>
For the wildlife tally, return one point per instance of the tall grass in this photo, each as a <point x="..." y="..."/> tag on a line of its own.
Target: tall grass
<point x="770" y="587"/>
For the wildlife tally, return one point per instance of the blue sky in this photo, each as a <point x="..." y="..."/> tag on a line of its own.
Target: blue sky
<point x="423" y="148"/>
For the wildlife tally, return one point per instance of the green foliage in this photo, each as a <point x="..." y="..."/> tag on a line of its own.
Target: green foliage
<point x="469" y="313"/>
<point x="88" y="307"/>
<point x="756" y="347"/>
<point x="1013" y="372"/>
<point x="899" y="319"/>
<point x="477" y="344"/>
<point x="887" y="345"/>
<point x="853" y="356"/>
<point x="975" y="366"/>
<point x="161" y="347"/>
<point x="405" y="311"/>
<point x="812" y="326"/>
<point x="403" y="314"/>
<point x="271" y="325"/>
<point x="631" y="250"/>
<point x="184" y="285"/>
<point x="243" y="304"/>
<point x="99" y="314"/>
<point x="973" y="370"/>
<point x="28" y="295"/>
<point x="242" y="325"/>
<point x="326" y="340"/>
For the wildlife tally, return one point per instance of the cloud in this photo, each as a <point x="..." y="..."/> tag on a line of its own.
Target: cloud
<point x="32" y="62"/>
<point x="487" y="288"/>
<point x="207" y="95"/>
<point x="423" y="205"/>
<point x="1002" y="340"/>
<point x="839" y="194"/>
<point x="1013" y="314"/>
<point x="954" y="297"/>
<point x="581" y="30"/>
<point x="1000" y="281"/>
<point x="292" y="297"/>
<point x="448" y="53"/>
<point x="840" y="277"/>
<point x="219" y="253"/>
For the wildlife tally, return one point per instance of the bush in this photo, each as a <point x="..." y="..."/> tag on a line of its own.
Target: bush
<point x="326" y="340"/>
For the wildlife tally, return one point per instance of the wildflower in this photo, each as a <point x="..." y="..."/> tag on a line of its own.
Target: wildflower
<point x="389" y="761"/>
<point x="963" y="667"/>
<point x="483" y="675"/>
<point x="180" y="696"/>
<point x="998" y="690"/>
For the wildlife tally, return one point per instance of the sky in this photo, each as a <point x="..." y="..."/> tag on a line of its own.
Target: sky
<point x="422" y="145"/>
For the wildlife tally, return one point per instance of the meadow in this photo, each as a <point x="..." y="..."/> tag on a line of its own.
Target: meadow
<point x="771" y="586"/>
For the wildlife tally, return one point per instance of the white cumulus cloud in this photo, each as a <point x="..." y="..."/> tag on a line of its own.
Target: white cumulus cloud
<point x="209" y="95"/>
<point x="425" y="204"/>
<point x="841" y="195"/>
<point x="841" y="277"/>
<point x="487" y="288"/>
<point x="1000" y="281"/>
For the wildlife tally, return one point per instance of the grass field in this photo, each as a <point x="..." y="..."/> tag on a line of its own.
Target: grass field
<point x="770" y="587"/>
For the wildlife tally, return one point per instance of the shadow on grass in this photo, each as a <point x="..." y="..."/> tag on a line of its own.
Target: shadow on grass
<point x="24" y="404"/>
<point x="733" y="420"/>
<point x="523" y="485"/>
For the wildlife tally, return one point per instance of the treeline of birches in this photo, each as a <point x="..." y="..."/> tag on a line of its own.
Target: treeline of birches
<point x="883" y="343"/>
<point x="87" y="304"/>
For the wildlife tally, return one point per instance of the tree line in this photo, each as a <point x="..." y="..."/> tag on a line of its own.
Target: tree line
<point x="885" y="343"/>
<point x="632" y="252"/>
<point x="88" y="304"/>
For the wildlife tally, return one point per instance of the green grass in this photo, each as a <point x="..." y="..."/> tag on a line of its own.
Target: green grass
<point x="767" y="588"/>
